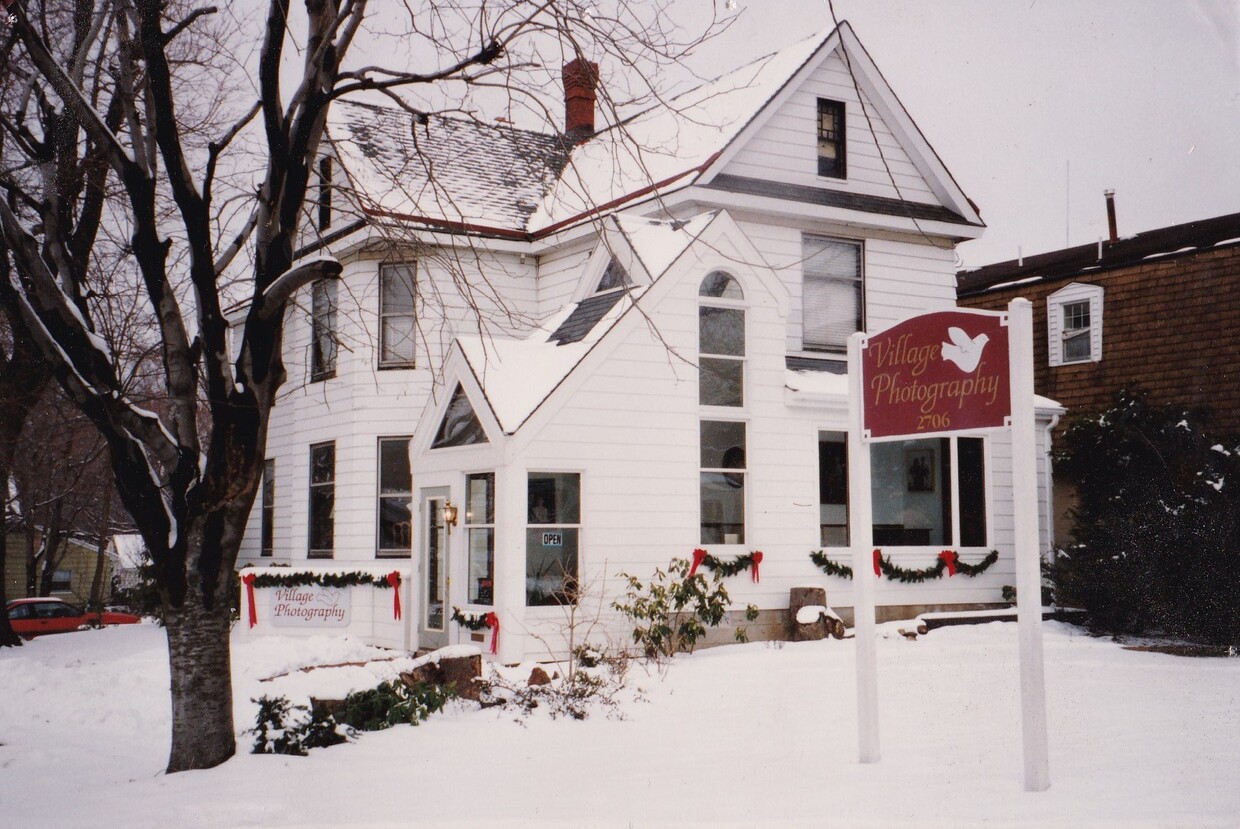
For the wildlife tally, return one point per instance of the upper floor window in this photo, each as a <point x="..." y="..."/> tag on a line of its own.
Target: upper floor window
<point x="831" y="139"/>
<point x="325" y="192"/>
<point x="396" y="321"/>
<point x="1074" y="324"/>
<point x="721" y="342"/>
<point x="323" y="330"/>
<point x="831" y="293"/>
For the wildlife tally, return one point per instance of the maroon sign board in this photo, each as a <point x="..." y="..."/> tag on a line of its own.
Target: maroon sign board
<point x="937" y="373"/>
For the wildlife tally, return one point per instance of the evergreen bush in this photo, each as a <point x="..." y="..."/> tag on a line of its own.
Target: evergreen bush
<point x="673" y="609"/>
<point x="1157" y="525"/>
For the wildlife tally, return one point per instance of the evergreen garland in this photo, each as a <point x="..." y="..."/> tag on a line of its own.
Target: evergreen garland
<point x="728" y="568"/>
<point x="472" y="621"/>
<point x="902" y="574"/>
<point x="303" y="579"/>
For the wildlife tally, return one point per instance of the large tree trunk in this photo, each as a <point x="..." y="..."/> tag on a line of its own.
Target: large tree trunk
<point x="200" y="662"/>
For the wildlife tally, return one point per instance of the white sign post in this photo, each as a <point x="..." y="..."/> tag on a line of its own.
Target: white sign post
<point x="1028" y="558"/>
<point x="859" y="520"/>
<point x="929" y="376"/>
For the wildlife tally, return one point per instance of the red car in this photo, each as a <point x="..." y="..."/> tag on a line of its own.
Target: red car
<point x="32" y="617"/>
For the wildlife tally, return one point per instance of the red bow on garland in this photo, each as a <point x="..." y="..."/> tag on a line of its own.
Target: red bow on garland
<point x="699" y="555"/>
<point x="393" y="579"/>
<point x="757" y="559"/>
<point x="493" y="624"/>
<point x="878" y="556"/>
<point x="948" y="557"/>
<point x="248" y="580"/>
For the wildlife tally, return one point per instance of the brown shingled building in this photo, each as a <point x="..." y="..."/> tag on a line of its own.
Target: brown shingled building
<point x="1158" y="311"/>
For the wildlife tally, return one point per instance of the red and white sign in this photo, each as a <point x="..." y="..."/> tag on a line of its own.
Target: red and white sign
<point x="937" y="373"/>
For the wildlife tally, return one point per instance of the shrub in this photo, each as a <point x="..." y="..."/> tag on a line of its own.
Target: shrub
<point x="672" y="610"/>
<point x="284" y="728"/>
<point x="1157" y="527"/>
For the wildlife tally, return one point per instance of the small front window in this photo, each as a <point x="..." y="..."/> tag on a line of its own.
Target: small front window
<point x="62" y="581"/>
<point x="831" y="158"/>
<point x="552" y="536"/>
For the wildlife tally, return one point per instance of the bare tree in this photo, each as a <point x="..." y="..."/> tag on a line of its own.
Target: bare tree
<point x="103" y="128"/>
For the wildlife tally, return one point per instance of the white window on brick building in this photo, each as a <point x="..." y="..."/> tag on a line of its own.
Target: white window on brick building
<point x="1074" y="324"/>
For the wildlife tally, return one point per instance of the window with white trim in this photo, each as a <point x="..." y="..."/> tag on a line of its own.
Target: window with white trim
<point x="832" y="297"/>
<point x="1074" y="324"/>
<point x="397" y="326"/>
<point x="723" y="482"/>
<point x="721" y="341"/>
<point x="552" y="536"/>
<point x="480" y="528"/>
<point x="395" y="500"/>
<point x="323" y="330"/>
<point x="322" y="523"/>
<point x="268" y="533"/>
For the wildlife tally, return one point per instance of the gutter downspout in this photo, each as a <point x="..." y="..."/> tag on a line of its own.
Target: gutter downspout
<point x="1048" y="554"/>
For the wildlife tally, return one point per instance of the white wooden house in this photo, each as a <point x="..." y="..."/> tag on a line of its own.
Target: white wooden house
<point x="607" y="349"/>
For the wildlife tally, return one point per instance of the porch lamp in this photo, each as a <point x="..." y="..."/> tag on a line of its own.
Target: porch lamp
<point x="449" y="515"/>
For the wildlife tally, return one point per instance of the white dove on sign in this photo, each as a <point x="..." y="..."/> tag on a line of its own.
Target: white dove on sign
<point x="964" y="351"/>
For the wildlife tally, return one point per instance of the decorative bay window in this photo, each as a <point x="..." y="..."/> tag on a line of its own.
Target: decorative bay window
<point x="480" y="536"/>
<point x="395" y="499"/>
<point x="552" y="538"/>
<point x="832" y="293"/>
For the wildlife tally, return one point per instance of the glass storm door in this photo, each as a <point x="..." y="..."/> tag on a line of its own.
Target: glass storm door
<point x="433" y="575"/>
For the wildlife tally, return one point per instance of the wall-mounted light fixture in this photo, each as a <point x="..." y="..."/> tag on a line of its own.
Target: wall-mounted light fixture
<point x="449" y="515"/>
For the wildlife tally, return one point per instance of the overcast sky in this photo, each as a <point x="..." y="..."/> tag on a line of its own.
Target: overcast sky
<point x="1037" y="106"/>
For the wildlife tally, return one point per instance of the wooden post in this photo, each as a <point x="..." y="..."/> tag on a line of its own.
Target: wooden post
<point x="1028" y="554"/>
<point x="860" y="519"/>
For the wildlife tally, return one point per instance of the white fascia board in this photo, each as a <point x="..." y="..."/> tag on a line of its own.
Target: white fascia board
<point x="744" y="202"/>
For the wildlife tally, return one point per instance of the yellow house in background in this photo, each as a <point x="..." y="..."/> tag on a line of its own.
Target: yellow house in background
<point x="73" y="576"/>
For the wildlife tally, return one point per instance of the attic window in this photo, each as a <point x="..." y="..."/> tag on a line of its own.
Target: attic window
<point x="1074" y="324"/>
<point x="614" y="277"/>
<point x="325" y="192"/>
<point x="460" y="426"/>
<point x="831" y="156"/>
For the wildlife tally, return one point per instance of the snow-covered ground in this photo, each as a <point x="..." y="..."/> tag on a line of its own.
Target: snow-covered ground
<point x="749" y="735"/>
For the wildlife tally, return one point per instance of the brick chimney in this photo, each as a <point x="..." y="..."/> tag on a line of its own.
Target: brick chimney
<point x="1112" y="225"/>
<point x="580" y="81"/>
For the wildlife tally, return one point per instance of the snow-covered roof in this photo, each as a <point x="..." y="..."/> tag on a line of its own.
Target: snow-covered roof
<point x="453" y="170"/>
<point x="467" y="175"/>
<point x="517" y="375"/>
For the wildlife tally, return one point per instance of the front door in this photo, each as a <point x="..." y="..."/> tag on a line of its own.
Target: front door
<point x="433" y="572"/>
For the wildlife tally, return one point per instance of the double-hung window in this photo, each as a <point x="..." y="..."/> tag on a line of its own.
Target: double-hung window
<point x="831" y="293"/>
<point x="397" y="326"/>
<point x="1074" y="324"/>
<point x="395" y="507"/>
<point x="552" y="535"/>
<point x="722" y="482"/>
<point x="322" y="500"/>
<point x="721" y="342"/>
<point x="721" y="383"/>
<point x="480" y="530"/>
<point x="831" y="150"/>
